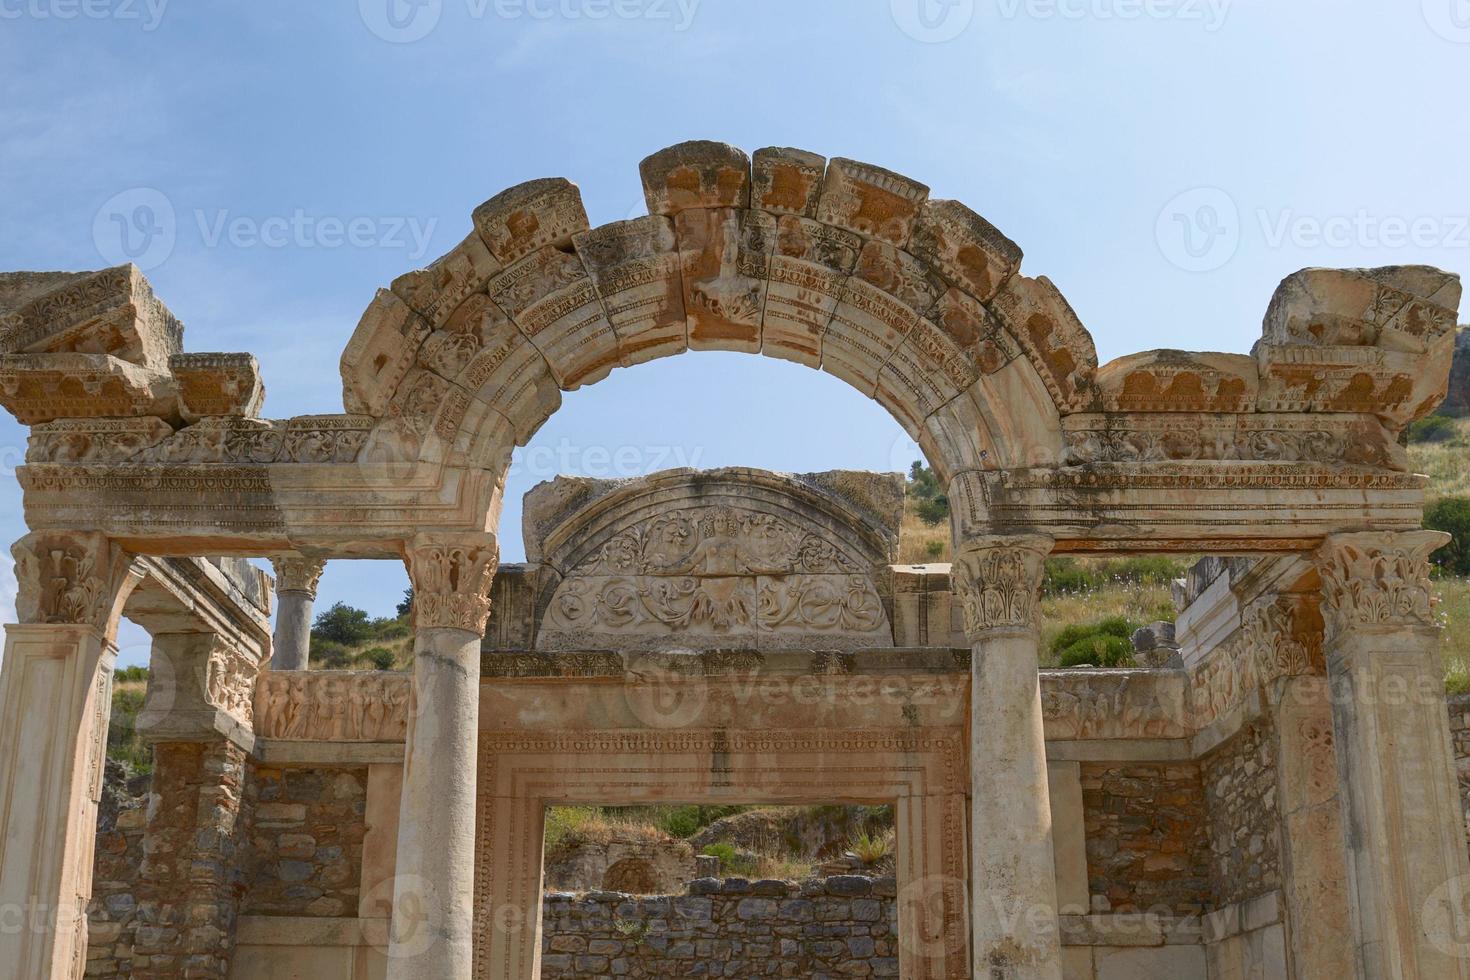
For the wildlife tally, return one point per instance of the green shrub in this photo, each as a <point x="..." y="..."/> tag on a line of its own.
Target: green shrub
<point x="1106" y="643"/>
<point x="562" y="821"/>
<point x="123" y="743"/>
<point x="731" y="860"/>
<point x="380" y="657"/>
<point x="934" y="549"/>
<point x="125" y="675"/>
<point x="686" y="821"/>
<point x="1451" y="514"/>
<point x="1432" y="428"/>
<point x="330" y="655"/>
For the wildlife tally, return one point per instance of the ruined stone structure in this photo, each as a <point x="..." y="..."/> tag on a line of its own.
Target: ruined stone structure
<point x="1283" y="804"/>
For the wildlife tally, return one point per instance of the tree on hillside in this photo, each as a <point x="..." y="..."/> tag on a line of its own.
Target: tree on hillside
<point x="342" y="624"/>
<point x="924" y="489"/>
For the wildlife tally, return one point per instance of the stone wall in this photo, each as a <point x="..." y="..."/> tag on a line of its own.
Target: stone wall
<point x="168" y="909"/>
<point x="1245" y="822"/>
<point x="1460" y="734"/>
<point x="307" y="841"/>
<point x="845" y="926"/>
<point x="1147" y="849"/>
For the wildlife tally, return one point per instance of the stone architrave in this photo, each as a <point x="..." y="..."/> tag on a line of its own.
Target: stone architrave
<point x="433" y="891"/>
<point x="55" y="703"/>
<point x="296" y="582"/>
<point x="1407" y="873"/>
<point x="1012" y="869"/>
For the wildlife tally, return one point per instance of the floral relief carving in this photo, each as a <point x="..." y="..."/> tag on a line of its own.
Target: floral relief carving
<point x="451" y="581"/>
<point x="1377" y="579"/>
<point x="1284" y="636"/>
<point x="69" y="579"/>
<point x="998" y="582"/>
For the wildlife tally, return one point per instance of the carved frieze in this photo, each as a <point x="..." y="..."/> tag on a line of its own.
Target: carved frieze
<point x="998" y="583"/>
<point x="95" y="440"/>
<point x="237" y="441"/>
<point x="451" y="580"/>
<point x="332" y="706"/>
<point x="716" y="574"/>
<point x="1137" y="437"/>
<point x="1098" y="704"/>
<point x="1377" y="579"/>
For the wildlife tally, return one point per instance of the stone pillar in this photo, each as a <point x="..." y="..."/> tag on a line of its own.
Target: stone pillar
<point x="432" y="932"/>
<point x="1405" y="840"/>
<point x="296" y="581"/>
<point x="1013" y="875"/>
<point x="1284" y="636"/>
<point x="55" y="703"/>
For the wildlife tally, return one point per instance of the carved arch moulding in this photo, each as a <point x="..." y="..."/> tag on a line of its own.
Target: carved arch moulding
<point x="838" y="265"/>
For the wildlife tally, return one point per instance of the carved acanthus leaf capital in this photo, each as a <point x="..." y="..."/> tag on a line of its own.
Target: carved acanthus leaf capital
<point x="1284" y="636"/>
<point x="72" y="578"/>
<point x="451" y="580"/>
<point x="296" y="574"/>
<point x="1377" y="579"/>
<point x="998" y="582"/>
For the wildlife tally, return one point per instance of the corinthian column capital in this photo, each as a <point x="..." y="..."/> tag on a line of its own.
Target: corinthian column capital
<point x="998" y="582"/>
<point x="1377" y="579"/>
<point x="80" y="579"/>
<point x="451" y="578"/>
<point x="297" y="574"/>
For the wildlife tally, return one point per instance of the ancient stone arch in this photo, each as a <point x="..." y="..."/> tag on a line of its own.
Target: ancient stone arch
<point x="140" y="450"/>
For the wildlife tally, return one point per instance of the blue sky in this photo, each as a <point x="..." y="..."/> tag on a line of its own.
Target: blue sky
<point x="1165" y="162"/>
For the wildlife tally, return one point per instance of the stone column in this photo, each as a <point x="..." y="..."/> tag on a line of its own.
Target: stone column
<point x="296" y="581"/>
<point x="1408" y="877"/>
<point x="55" y="703"/>
<point x="1013" y="875"/>
<point x="432" y="932"/>
<point x="1284" y="637"/>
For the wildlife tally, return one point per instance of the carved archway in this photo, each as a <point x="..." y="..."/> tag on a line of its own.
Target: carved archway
<point x="844" y="267"/>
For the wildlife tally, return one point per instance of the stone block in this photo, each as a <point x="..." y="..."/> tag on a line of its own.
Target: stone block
<point x="871" y="201"/>
<point x="696" y="174"/>
<point x="217" y="385"/>
<point x="529" y="217"/>
<point x="110" y="311"/>
<point x="787" y="181"/>
<point x="45" y="387"/>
